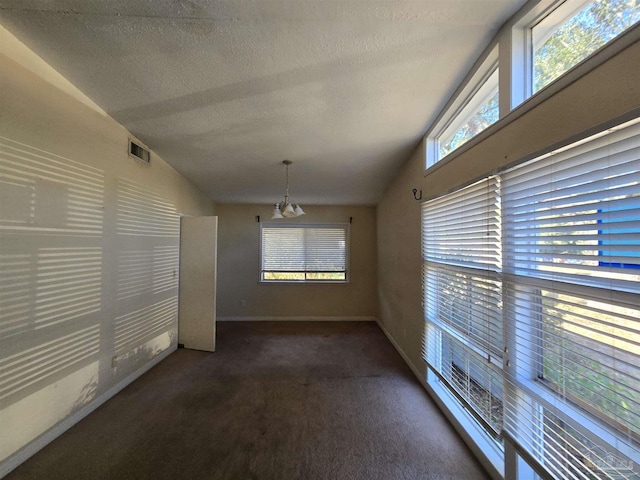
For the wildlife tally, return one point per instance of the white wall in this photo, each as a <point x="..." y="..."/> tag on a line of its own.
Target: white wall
<point x="88" y="254"/>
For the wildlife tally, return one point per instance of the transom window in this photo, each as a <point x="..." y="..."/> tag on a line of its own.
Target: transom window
<point x="480" y="112"/>
<point x="541" y="48"/>
<point x="304" y="253"/>
<point x="575" y="30"/>
<point x="472" y="110"/>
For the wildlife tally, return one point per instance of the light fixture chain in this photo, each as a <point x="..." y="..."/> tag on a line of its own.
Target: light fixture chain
<point x="285" y="209"/>
<point x="287" y="187"/>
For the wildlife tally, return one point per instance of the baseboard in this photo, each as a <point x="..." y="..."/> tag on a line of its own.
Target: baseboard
<point x="296" y="319"/>
<point x="484" y="460"/>
<point x="14" y="460"/>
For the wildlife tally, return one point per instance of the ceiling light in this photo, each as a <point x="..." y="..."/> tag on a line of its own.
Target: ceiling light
<point x="286" y="209"/>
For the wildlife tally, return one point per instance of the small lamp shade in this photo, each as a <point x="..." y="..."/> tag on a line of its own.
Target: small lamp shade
<point x="298" y="211"/>
<point x="276" y="213"/>
<point x="288" y="211"/>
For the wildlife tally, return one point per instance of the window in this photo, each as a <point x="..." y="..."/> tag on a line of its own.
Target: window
<point x="573" y="303"/>
<point x="304" y="253"/>
<point x="462" y="298"/>
<point x="474" y="108"/>
<point x="575" y="30"/>
<point x="480" y="112"/>
<point x="531" y="292"/>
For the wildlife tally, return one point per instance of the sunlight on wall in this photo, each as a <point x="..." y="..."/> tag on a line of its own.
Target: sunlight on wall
<point x="143" y="271"/>
<point x="42" y="409"/>
<point x="89" y="243"/>
<point x="88" y="294"/>
<point x="138" y="326"/>
<point x="44" y="193"/>
<point x="143" y="212"/>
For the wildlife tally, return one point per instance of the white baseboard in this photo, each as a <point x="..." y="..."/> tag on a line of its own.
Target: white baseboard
<point x="482" y="457"/>
<point x="296" y="319"/>
<point x="14" y="460"/>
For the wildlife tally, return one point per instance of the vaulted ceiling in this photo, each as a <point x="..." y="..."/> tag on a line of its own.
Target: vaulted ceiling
<point x="224" y="90"/>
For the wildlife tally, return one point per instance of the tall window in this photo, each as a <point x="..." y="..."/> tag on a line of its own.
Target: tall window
<point x="532" y="305"/>
<point x="574" y="31"/>
<point x="304" y="253"/>
<point x="572" y="226"/>
<point x="462" y="297"/>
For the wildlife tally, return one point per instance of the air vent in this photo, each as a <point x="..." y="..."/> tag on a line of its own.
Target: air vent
<point x="138" y="151"/>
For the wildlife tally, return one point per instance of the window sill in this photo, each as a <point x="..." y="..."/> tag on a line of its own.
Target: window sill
<point x="488" y="451"/>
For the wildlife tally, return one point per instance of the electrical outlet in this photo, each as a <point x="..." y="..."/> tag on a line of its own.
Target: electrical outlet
<point x="114" y="361"/>
<point x="243" y="303"/>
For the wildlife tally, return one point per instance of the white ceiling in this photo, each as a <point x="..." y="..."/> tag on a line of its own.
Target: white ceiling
<point x="225" y="90"/>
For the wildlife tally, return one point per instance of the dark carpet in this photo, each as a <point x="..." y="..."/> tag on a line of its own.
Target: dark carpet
<point x="278" y="400"/>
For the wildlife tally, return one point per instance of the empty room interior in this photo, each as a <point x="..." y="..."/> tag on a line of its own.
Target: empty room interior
<point x="320" y="239"/>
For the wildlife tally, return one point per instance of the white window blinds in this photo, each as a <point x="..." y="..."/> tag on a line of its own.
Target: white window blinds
<point x="462" y="297"/>
<point x="304" y="252"/>
<point x="572" y="299"/>
<point x="531" y="286"/>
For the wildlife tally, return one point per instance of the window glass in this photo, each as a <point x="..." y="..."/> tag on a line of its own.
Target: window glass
<point x="462" y="298"/>
<point x="304" y="253"/>
<point x="479" y="113"/>
<point x="573" y="290"/>
<point x="569" y="35"/>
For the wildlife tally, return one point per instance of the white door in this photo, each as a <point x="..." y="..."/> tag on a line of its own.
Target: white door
<point x="198" y="262"/>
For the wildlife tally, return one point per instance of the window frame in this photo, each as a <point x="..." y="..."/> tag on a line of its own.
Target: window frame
<point x="559" y="15"/>
<point x="344" y="226"/>
<point x="521" y="54"/>
<point x="483" y="91"/>
<point x="455" y="113"/>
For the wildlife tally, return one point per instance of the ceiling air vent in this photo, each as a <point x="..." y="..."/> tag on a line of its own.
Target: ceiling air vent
<point x="138" y="151"/>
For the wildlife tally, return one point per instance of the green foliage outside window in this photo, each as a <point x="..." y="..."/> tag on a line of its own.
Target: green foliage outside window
<point x="485" y="116"/>
<point x="580" y="36"/>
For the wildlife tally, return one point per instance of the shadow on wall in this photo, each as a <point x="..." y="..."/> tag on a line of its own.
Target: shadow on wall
<point x="89" y="286"/>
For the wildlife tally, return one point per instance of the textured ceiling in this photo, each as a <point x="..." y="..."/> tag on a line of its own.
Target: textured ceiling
<point x="225" y="90"/>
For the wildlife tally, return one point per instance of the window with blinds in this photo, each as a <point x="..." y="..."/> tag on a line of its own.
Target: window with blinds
<point x="462" y="297"/>
<point x="304" y="253"/>
<point x="531" y="285"/>
<point x="572" y="298"/>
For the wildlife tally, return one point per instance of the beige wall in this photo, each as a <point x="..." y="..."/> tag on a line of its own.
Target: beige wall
<point x="239" y="268"/>
<point x="88" y="254"/>
<point x="611" y="91"/>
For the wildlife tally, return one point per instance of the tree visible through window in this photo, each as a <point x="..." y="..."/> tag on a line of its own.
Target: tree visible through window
<point x="561" y="43"/>
<point x="479" y="113"/>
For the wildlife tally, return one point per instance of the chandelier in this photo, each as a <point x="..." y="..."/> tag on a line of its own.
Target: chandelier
<point x="285" y="208"/>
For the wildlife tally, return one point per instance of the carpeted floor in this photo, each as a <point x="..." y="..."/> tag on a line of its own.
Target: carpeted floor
<point x="278" y="400"/>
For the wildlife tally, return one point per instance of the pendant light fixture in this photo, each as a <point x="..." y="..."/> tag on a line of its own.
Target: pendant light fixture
<point x="285" y="209"/>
